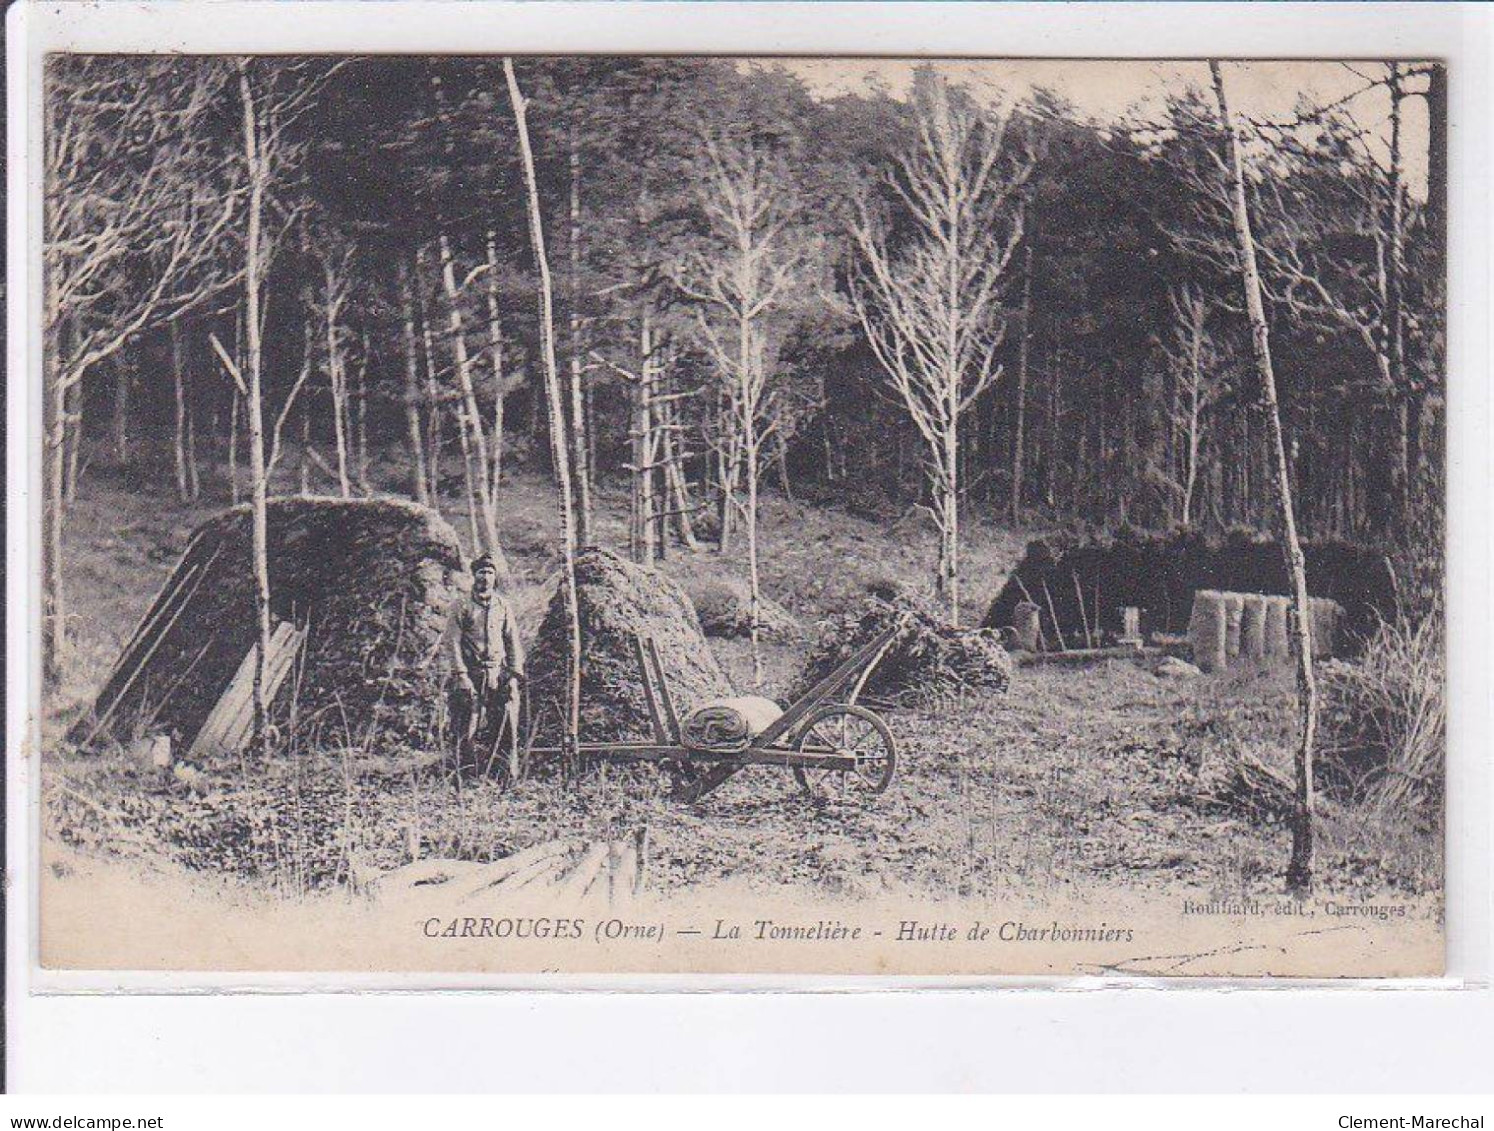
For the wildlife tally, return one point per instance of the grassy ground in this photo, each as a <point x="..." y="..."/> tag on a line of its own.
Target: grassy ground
<point x="1079" y="776"/>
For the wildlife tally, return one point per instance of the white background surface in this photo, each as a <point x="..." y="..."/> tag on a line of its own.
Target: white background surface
<point x="1231" y="1039"/>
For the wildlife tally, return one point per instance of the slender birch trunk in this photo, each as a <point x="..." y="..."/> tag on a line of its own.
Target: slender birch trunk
<point x="476" y="442"/>
<point x="1299" y="871"/>
<point x="469" y="485"/>
<point x="360" y="431"/>
<point x="179" y="404"/>
<point x="947" y="485"/>
<point x="557" y="417"/>
<point x="1019" y="426"/>
<point x="305" y="476"/>
<point x="433" y="388"/>
<point x="419" y="483"/>
<point x="579" y="445"/>
<point x="233" y="448"/>
<point x="1395" y="288"/>
<point x="677" y="496"/>
<point x="647" y="451"/>
<point x="194" y="480"/>
<point x="72" y="436"/>
<point x="54" y="605"/>
<point x="495" y="349"/>
<point x="253" y="278"/>
<point x="120" y="426"/>
<point x="337" y="380"/>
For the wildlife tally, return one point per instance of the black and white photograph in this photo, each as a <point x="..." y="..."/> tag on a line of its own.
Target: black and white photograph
<point x="612" y="514"/>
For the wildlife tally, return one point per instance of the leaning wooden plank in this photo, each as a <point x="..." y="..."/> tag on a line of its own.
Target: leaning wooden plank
<point x="157" y="636"/>
<point x="227" y="726"/>
<point x="141" y="637"/>
<point x="536" y="871"/>
<point x="666" y="698"/>
<point x="572" y="884"/>
<point x="500" y="871"/>
<point x="601" y="882"/>
<point x="645" y="672"/>
<point x="622" y="876"/>
<point x="283" y="642"/>
<point x="184" y="579"/>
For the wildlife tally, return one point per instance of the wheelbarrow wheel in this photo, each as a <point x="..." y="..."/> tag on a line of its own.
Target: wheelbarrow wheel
<point x="849" y="732"/>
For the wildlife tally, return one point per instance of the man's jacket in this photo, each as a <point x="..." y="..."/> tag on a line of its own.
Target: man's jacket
<point x="487" y="642"/>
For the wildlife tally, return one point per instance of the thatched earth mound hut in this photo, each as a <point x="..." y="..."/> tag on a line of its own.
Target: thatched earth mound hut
<point x="365" y="589"/>
<point x="929" y="660"/>
<point x="1084" y="583"/>
<point x="619" y="602"/>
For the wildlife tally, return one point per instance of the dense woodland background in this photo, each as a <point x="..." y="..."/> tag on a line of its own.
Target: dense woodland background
<point x="871" y="301"/>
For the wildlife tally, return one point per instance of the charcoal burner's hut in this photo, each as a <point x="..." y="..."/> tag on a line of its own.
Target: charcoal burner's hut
<point x="619" y="603"/>
<point x="361" y="592"/>
<point x="1079" y="586"/>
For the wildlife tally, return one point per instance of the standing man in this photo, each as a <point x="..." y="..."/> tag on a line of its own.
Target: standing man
<point x="489" y="673"/>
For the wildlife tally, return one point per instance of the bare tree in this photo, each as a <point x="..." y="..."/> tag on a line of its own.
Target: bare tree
<point x="272" y="95"/>
<point x="474" y="442"/>
<point x="744" y="280"/>
<point x="1194" y="362"/>
<point x="419" y="481"/>
<point x="337" y="270"/>
<point x="580" y="445"/>
<point x="138" y="202"/>
<point x="1330" y="245"/>
<point x="260" y="168"/>
<point x="1299" y="872"/>
<point x="504" y="382"/>
<point x="931" y="308"/>
<point x="186" y="471"/>
<point x="557" y="418"/>
<point x="1019" y="394"/>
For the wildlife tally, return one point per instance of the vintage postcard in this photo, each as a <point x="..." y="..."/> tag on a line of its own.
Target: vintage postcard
<point x="717" y="515"/>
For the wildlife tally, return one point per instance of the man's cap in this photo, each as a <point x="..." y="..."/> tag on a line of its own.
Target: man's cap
<point x="484" y="562"/>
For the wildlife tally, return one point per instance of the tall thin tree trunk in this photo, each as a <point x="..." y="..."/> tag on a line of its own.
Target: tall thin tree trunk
<point x="1395" y="287"/>
<point x="194" y="480"/>
<point x="946" y="486"/>
<point x="469" y="485"/>
<point x="677" y="497"/>
<point x="360" y="430"/>
<point x="433" y="388"/>
<point x="644" y="474"/>
<point x="1055" y="401"/>
<point x="305" y="477"/>
<point x="233" y="448"/>
<point x="1019" y="405"/>
<point x="120" y="426"/>
<point x="557" y="417"/>
<point x="253" y="269"/>
<point x="54" y="605"/>
<point x="579" y="444"/>
<point x="337" y="379"/>
<point x="1299" y="871"/>
<point x="419" y="482"/>
<point x="495" y="350"/>
<point x="179" y="403"/>
<point x="1195" y="408"/>
<point x="72" y="437"/>
<point x="471" y="416"/>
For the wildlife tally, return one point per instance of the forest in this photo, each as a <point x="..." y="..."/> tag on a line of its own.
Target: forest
<point x="687" y="290"/>
<point x="750" y="294"/>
